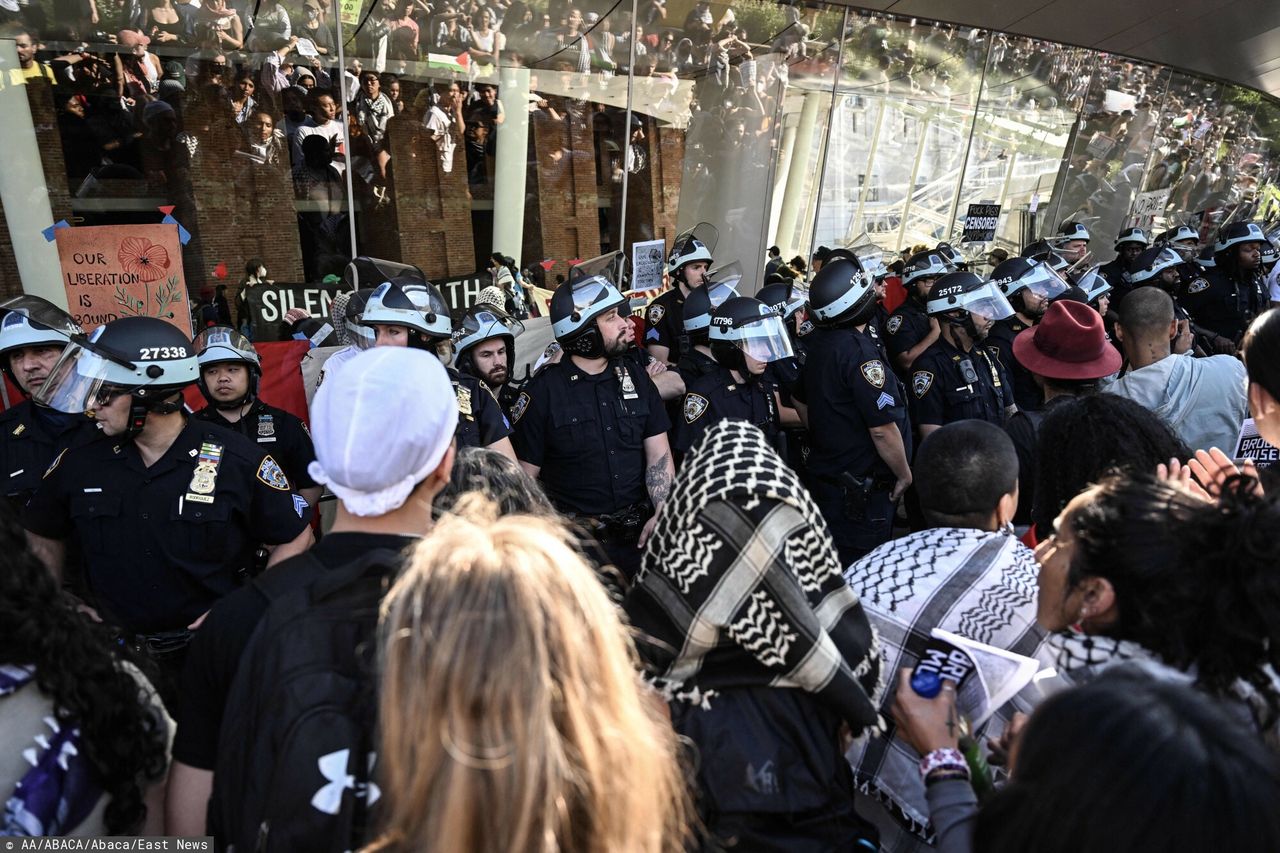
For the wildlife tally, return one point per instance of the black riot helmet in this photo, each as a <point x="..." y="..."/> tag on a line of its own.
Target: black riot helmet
<point x="921" y="266"/>
<point x="743" y="326"/>
<point x="784" y="297"/>
<point x="1017" y="276"/>
<point x="951" y="257"/>
<point x="144" y="357"/>
<point x="722" y="284"/>
<point x="842" y="294"/>
<point x="1132" y="236"/>
<point x="590" y="292"/>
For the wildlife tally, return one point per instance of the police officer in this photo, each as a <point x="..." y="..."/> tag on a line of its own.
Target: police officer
<point x="1029" y="286"/>
<point x="745" y="337"/>
<point x="592" y="427"/>
<point x="415" y="315"/>
<point x="1072" y="242"/>
<point x="951" y="257"/>
<point x="32" y="435"/>
<point x="484" y="347"/>
<point x="1158" y="267"/>
<point x="909" y="331"/>
<point x="167" y="509"/>
<point x="230" y="372"/>
<point x="697" y="359"/>
<point x="1232" y="292"/>
<point x="957" y="378"/>
<point x="860" y="435"/>
<point x="687" y="267"/>
<point x="1130" y="243"/>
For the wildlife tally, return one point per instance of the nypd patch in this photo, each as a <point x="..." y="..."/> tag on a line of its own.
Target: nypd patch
<point x="518" y="407"/>
<point x="873" y="372"/>
<point x="894" y="324"/>
<point x="656" y="313"/>
<point x="269" y="472"/>
<point x="921" y="382"/>
<point x="695" y="405"/>
<point x="1198" y="285"/>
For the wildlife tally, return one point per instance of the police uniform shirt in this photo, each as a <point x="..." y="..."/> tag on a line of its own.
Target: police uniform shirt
<point x="481" y="420"/>
<point x="1225" y="306"/>
<point x="586" y="432"/>
<point x="694" y="364"/>
<point x="275" y="431"/>
<point x="949" y="384"/>
<point x="907" y="326"/>
<point x="507" y="395"/>
<point x="849" y="389"/>
<point x="162" y="544"/>
<point x="665" y="319"/>
<point x="718" y="396"/>
<point x="999" y="344"/>
<point x="30" y="439"/>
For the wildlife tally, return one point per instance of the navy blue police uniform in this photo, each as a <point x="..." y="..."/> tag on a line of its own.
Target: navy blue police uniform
<point x="1225" y="304"/>
<point x="718" y="396"/>
<point x="999" y="345"/>
<point x="665" y="320"/>
<point x="481" y="420"/>
<point x="949" y="384"/>
<point x="907" y="326"/>
<point x="31" y="437"/>
<point x="275" y="431"/>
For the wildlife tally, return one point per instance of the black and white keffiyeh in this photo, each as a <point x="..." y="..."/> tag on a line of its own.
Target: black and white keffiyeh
<point x="740" y="586"/>
<point x="974" y="583"/>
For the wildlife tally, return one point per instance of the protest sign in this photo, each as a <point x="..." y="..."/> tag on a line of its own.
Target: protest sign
<point x="268" y="303"/>
<point x="1147" y="206"/>
<point x="349" y="10"/>
<point x="1251" y="445"/>
<point x="980" y="223"/>
<point x="114" y="271"/>
<point x="648" y="260"/>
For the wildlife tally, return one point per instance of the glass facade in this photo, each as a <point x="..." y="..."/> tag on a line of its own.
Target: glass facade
<point x="296" y="133"/>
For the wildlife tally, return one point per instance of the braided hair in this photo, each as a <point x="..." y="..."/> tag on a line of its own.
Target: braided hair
<point x="80" y="667"/>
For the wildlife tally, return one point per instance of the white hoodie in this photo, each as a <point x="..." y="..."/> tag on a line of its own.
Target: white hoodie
<point x="1204" y="400"/>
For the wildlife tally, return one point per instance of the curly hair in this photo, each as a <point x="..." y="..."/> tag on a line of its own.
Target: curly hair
<point x="1084" y="439"/>
<point x="1194" y="581"/>
<point x="79" y="666"/>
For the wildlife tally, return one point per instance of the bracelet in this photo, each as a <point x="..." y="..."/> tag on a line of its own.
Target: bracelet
<point x="945" y="774"/>
<point x="947" y="758"/>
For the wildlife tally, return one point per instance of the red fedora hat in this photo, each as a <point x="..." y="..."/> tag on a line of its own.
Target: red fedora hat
<point x="1069" y="343"/>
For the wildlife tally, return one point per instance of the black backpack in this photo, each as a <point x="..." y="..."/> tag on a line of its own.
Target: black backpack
<point x="298" y="736"/>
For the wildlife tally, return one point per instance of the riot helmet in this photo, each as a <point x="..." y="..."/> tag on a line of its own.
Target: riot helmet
<point x="744" y="327"/>
<point x="1237" y="233"/>
<point x="958" y="297"/>
<point x="692" y="246"/>
<point x="1035" y="284"/>
<point x="30" y="321"/>
<point x="1132" y="236"/>
<point x="426" y="318"/>
<point x="576" y="305"/>
<point x="1094" y="286"/>
<point x="483" y="323"/>
<point x="722" y="284"/>
<point x="951" y="256"/>
<point x="1151" y="263"/>
<point x="143" y="357"/>
<point x="1183" y="240"/>
<point x="842" y="294"/>
<point x="224" y="345"/>
<point x="923" y="267"/>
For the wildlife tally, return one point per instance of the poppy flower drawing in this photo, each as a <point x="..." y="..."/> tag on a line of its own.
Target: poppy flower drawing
<point x="139" y="256"/>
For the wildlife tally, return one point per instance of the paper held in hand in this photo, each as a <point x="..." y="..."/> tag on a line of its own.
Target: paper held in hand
<point x="987" y="677"/>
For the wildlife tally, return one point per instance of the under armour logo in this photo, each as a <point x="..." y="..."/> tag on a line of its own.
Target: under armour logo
<point x="334" y="768"/>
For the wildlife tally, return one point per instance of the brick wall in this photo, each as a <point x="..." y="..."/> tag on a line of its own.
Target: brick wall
<point x="432" y="207"/>
<point x="563" y="216"/>
<point x="653" y="193"/>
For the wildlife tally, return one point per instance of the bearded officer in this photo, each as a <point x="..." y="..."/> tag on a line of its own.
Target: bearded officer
<point x="859" y="432"/>
<point x="592" y="427"/>
<point x="484" y="347"/>
<point x="167" y="510"/>
<point x="230" y="373"/>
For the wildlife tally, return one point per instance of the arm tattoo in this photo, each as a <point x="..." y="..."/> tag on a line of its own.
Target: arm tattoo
<point x="657" y="479"/>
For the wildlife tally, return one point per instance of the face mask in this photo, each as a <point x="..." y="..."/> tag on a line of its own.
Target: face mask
<point x="262" y="272"/>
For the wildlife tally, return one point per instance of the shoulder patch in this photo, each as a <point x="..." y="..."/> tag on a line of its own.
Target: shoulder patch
<point x="695" y="405"/>
<point x="894" y="324"/>
<point x="1197" y="285"/>
<point x="57" y="460"/>
<point x="656" y="313"/>
<point x="518" y="407"/>
<point x="921" y="382"/>
<point x="269" y="472"/>
<point x="873" y="372"/>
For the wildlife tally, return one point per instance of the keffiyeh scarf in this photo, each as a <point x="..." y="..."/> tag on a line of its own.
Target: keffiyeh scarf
<point x="740" y="586"/>
<point x="59" y="790"/>
<point x="974" y="583"/>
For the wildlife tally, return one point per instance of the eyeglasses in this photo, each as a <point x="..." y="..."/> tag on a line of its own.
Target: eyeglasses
<point x="107" y="393"/>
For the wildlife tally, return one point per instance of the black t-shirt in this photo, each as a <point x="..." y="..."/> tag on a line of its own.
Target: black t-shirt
<point x="215" y="652"/>
<point x="586" y="432"/>
<point x="999" y="343"/>
<point x="275" y="431"/>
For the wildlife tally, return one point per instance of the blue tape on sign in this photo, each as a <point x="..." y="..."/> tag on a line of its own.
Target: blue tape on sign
<point x="184" y="236"/>
<point x="49" y="232"/>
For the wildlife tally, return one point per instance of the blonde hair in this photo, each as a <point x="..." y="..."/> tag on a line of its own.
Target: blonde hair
<point x="512" y="714"/>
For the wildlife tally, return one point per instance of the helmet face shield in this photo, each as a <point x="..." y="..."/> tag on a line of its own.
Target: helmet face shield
<point x="1044" y="281"/>
<point x="76" y="381"/>
<point x="987" y="302"/>
<point x="765" y="340"/>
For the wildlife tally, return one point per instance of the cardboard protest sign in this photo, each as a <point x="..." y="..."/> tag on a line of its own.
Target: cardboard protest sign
<point x="648" y="262"/>
<point x="268" y="303"/>
<point x="114" y="271"/>
<point x="1251" y="445"/>
<point x="980" y="223"/>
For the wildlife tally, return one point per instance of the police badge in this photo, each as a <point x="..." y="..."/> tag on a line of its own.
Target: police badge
<point x="266" y="426"/>
<point x="921" y="382"/>
<point x="894" y="324"/>
<point x="1197" y="285"/>
<point x="873" y="372"/>
<point x="694" y="407"/>
<point x="656" y="313"/>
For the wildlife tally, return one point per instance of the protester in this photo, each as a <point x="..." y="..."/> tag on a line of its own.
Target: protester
<point x="84" y="738"/>
<point x="511" y="717"/>
<point x="385" y="504"/>
<point x="1154" y="765"/>
<point x="762" y="651"/>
